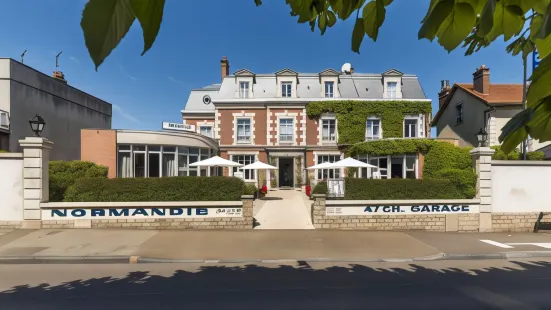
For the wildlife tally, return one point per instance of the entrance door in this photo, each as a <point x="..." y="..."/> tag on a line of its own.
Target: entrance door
<point x="286" y="172"/>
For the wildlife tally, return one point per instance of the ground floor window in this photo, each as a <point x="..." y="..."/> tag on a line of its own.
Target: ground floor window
<point x="248" y="175"/>
<point x="324" y="174"/>
<point x="159" y="161"/>
<point x="390" y="167"/>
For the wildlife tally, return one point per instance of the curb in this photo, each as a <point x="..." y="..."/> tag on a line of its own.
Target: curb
<point x="152" y="260"/>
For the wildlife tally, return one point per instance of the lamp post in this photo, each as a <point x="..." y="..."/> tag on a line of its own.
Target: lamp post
<point x="482" y="136"/>
<point x="37" y="125"/>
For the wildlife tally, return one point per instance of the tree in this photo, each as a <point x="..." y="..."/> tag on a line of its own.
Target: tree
<point x="474" y="24"/>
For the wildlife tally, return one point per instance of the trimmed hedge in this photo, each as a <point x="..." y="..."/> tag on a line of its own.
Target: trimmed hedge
<point x="157" y="189"/>
<point x="391" y="189"/>
<point x="515" y="155"/>
<point x="463" y="179"/>
<point x="250" y="189"/>
<point x="64" y="174"/>
<point x="321" y="188"/>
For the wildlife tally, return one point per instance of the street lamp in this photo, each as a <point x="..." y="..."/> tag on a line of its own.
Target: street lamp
<point x="482" y="136"/>
<point x="37" y="125"/>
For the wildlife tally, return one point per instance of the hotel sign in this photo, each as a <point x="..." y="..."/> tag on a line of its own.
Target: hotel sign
<point x="402" y="210"/>
<point x="138" y="213"/>
<point x="178" y="126"/>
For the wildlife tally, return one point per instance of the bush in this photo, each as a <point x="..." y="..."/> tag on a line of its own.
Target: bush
<point x="250" y="189"/>
<point x="390" y="189"/>
<point x="321" y="188"/>
<point x="535" y="156"/>
<point x="63" y="174"/>
<point x="157" y="189"/>
<point x="515" y="155"/>
<point x="443" y="155"/>
<point x="463" y="179"/>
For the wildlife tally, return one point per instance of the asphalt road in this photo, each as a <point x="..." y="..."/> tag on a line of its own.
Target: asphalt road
<point x="429" y="285"/>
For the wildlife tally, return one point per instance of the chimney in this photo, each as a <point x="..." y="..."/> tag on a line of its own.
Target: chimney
<point x="225" y="67"/>
<point x="444" y="92"/>
<point x="351" y="70"/>
<point x="481" y="80"/>
<point x="58" y="75"/>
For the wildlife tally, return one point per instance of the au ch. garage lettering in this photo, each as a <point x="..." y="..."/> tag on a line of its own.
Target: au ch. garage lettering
<point x="418" y="209"/>
<point x="129" y="212"/>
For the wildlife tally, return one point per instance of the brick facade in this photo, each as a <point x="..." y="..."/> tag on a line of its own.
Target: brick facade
<point x="100" y="146"/>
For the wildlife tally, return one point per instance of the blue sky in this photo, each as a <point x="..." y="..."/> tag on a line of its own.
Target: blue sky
<point x="194" y="36"/>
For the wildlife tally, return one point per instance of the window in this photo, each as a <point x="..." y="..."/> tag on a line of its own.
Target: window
<point x="248" y="174"/>
<point x="286" y="89"/>
<point x="243" y="89"/>
<point x="243" y="130"/>
<point x="286" y="130"/>
<point x="410" y="167"/>
<point x="324" y="174"/>
<point x="373" y="129"/>
<point x="4" y="119"/>
<point x="124" y="162"/>
<point x="459" y="114"/>
<point x="410" y="127"/>
<point x="206" y="131"/>
<point x="329" y="93"/>
<point x="328" y="130"/>
<point x="391" y="89"/>
<point x="382" y="164"/>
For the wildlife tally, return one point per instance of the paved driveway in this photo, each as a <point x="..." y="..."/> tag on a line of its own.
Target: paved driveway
<point x="283" y="209"/>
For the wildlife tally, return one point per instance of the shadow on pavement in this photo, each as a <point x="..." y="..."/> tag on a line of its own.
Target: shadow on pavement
<point x="298" y="287"/>
<point x="271" y="198"/>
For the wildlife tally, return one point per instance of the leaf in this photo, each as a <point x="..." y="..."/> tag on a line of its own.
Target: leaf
<point x="358" y="35"/>
<point x="540" y="125"/>
<point x="539" y="87"/>
<point x="513" y="21"/>
<point x="347" y="7"/>
<point x="540" y="6"/>
<point x="475" y="43"/>
<point x="545" y="28"/>
<point x="331" y="19"/>
<point x="457" y="26"/>
<point x="515" y="131"/>
<point x="322" y="23"/>
<point x="543" y="45"/>
<point x="431" y="7"/>
<point x="487" y="18"/>
<point x="442" y="9"/>
<point x="373" y="16"/>
<point x="258" y="2"/>
<point x="104" y="24"/>
<point x="150" y="16"/>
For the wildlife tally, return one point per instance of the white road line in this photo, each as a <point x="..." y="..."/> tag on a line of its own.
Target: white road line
<point x="498" y="301"/>
<point x="541" y="245"/>
<point x="501" y="245"/>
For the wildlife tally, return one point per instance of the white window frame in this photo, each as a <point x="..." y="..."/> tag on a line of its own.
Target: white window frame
<point x="380" y="129"/>
<point x="290" y="89"/>
<point x="392" y="94"/>
<point x="457" y="115"/>
<point x="417" y="127"/>
<point x="335" y="134"/>
<point x="250" y="140"/>
<point x="331" y="93"/>
<point x="244" y="92"/>
<point x="292" y="130"/>
<point x="336" y="157"/>
<point x="245" y="162"/>
<point x="4" y="115"/>
<point x="207" y="126"/>
<point x="388" y="170"/>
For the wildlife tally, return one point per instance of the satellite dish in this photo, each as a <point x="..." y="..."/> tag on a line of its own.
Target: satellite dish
<point x="346" y="68"/>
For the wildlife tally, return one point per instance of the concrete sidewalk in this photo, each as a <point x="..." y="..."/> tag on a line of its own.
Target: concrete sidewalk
<point x="284" y="209"/>
<point x="264" y="245"/>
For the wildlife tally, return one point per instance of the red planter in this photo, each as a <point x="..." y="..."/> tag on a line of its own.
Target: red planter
<point x="308" y="190"/>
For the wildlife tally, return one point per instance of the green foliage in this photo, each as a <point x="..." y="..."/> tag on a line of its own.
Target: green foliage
<point x="389" y="189"/>
<point x="250" y="189"/>
<point x="321" y="188"/>
<point x="463" y="179"/>
<point x="157" y="189"/>
<point x="515" y="155"/>
<point x="443" y="155"/>
<point x="352" y="115"/>
<point x="273" y="179"/>
<point x="392" y="147"/>
<point x="63" y="174"/>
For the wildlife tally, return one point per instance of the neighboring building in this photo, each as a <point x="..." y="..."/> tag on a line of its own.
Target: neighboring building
<point x="25" y="92"/>
<point x="264" y="117"/>
<point x="466" y="108"/>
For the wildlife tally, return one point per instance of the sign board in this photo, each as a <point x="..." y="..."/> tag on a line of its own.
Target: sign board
<point x="178" y="126"/>
<point x="535" y="60"/>
<point x="401" y="210"/>
<point x="138" y="213"/>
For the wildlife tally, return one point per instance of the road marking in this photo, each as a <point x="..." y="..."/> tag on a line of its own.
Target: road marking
<point x="501" y="245"/>
<point x="499" y="301"/>
<point x="541" y="245"/>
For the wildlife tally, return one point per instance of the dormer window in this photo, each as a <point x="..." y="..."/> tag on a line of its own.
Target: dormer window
<point x="392" y="84"/>
<point x="286" y="89"/>
<point x="391" y="90"/>
<point x="329" y="89"/>
<point x="244" y="89"/>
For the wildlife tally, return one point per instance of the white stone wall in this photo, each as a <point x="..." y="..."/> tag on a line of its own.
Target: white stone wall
<point x="11" y="187"/>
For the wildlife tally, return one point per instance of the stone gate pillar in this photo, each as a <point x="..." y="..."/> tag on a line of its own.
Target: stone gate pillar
<point x="36" y="155"/>
<point x="482" y="163"/>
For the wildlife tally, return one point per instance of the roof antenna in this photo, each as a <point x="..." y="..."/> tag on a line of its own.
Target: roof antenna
<point x="57" y="60"/>
<point x="23" y="56"/>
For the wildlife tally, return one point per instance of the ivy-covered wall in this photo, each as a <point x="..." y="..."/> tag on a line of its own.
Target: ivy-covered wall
<point x="352" y="115"/>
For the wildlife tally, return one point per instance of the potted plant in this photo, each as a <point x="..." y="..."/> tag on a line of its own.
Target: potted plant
<point x="308" y="186"/>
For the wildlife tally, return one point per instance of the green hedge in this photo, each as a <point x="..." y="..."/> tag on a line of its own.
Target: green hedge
<point x="515" y="155"/>
<point x="64" y="174"/>
<point x="250" y="189"/>
<point x="321" y="188"/>
<point x="390" y="189"/>
<point x="351" y="116"/>
<point x="463" y="179"/>
<point x="157" y="189"/>
<point x="443" y="155"/>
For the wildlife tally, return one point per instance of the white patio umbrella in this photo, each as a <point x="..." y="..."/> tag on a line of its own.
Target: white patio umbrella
<point x="320" y="166"/>
<point x="216" y="161"/>
<point x="350" y="162"/>
<point x="258" y="165"/>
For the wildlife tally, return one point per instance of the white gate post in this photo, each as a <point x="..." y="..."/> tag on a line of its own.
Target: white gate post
<point x="482" y="163"/>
